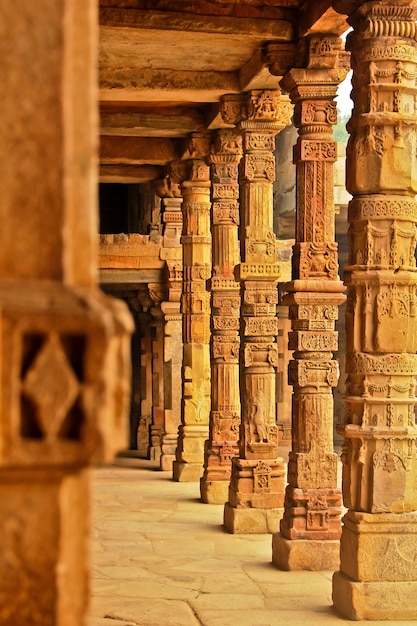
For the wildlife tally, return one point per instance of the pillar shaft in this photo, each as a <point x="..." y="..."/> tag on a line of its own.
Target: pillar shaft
<point x="158" y="413"/>
<point x="222" y="444"/>
<point x="170" y="307"/>
<point x="312" y="500"/>
<point x="257" y="474"/>
<point x="195" y="306"/>
<point x="377" y="578"/>
<point x="63" y="344"/>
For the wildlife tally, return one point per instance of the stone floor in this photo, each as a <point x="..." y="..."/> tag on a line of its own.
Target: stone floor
<point x="161" y="558"/>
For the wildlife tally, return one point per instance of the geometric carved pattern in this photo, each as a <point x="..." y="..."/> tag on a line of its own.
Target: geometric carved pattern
<point x="66" y="380"/>
<point x="50" y="389"/>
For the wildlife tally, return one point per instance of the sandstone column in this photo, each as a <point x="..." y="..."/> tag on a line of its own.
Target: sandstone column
<point x="194" y="176"/>
<point x="157" y="334"/>
<point x="222" y="444"/>
<point x="257" y="484"/>
<point x="378" y="571"/>
<point x="170" y="307"/>
<point x="172" y="380"/>
<point x="311" y="527"/>
<point x="145" y="373"/>
<point x="64" y="346"/>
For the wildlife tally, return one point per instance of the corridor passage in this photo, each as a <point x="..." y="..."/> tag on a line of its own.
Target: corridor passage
<point x="161" y="558"/>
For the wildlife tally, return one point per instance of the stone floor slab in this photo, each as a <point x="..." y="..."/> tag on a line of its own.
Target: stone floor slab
<point x="183" y="569"/>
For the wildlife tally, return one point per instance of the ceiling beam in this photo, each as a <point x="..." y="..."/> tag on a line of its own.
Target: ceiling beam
<point x="147" y="85"/>
<point x="159" y="122"/>
<point x="320" y="17"/>
<point x="129" y="173"/>
<point x="260" y="28"/>
<point x="137" y="150"/>
<point x="255" y="74"/>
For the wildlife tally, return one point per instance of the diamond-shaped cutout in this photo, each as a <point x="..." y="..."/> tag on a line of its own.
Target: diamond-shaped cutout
<point x="51" y="385"/>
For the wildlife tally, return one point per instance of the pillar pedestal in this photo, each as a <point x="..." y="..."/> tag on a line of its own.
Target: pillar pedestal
<point x="305" y="554"/>
<point x="256" y="496"/>
<point x="378" y="574"/>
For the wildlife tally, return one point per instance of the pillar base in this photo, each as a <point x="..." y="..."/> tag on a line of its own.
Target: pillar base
<point x="187" y="472"/>
<point x="374" y="600"/>
<point x="214" y="491"/>
<point x="305" y="554"/>
<point x="154" y="453"/>
<point x="166" y="462"/>
<point x="251" y="521"/>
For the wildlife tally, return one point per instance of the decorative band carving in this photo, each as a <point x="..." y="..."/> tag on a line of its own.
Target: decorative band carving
<point x="399" y="52"/>
<point x="374" y="207"/>
<point x="257" y="270"/>
<point x="361" y="363"/>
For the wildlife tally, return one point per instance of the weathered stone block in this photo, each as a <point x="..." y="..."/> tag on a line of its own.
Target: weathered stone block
<point x="251" y="521"/>
<point x="380" y="547"/>
<point x="214" y="491"/>
<point x="304" y="554"/>
<point x="374" y="600"/>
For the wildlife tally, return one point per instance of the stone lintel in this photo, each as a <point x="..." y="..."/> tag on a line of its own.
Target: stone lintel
<point x="145" y="85"/>
<point x="120" y="173"/>
<point x="251" y="521"/>
<point x="183" y="25"/>
<point x="163" y="122"/>
<point x="374" y="600"/>
<point x="305" y="554"/>
<point x="137" y="150"/>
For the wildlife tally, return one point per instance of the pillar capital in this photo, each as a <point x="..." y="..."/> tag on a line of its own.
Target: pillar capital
<point x="258" y="109"/>
<point x="384" y="12"/>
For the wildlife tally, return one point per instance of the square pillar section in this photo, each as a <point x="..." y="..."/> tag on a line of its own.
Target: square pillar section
<point x="256" y="490"/>
<point x="378" y="569"/>
<point x="311" y="527"/>
<point x="222" y="444"/>
<point x="194" y="176"/>
<point x="64" y="346"/>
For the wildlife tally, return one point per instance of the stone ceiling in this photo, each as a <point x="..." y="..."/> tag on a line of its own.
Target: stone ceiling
<point x="164" y="65"/>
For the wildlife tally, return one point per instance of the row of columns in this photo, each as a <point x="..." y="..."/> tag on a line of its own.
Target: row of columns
<point x="379" y="455"/>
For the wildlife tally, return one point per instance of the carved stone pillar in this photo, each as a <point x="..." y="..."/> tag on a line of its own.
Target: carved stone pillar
<point x="145" y="370"/>
<point x="173" y="350"/>
<point x="157" y="338"/>
<point x="222" y="444"/>
<point x="170" y="307"/>
<point x="172" y="221"/>
<point x="194" y="176"/>
<point x="257" y="484"/>
<point x="378" y="571"/>
<point x="63" y="344"/>
<point x="311" y="527"/>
